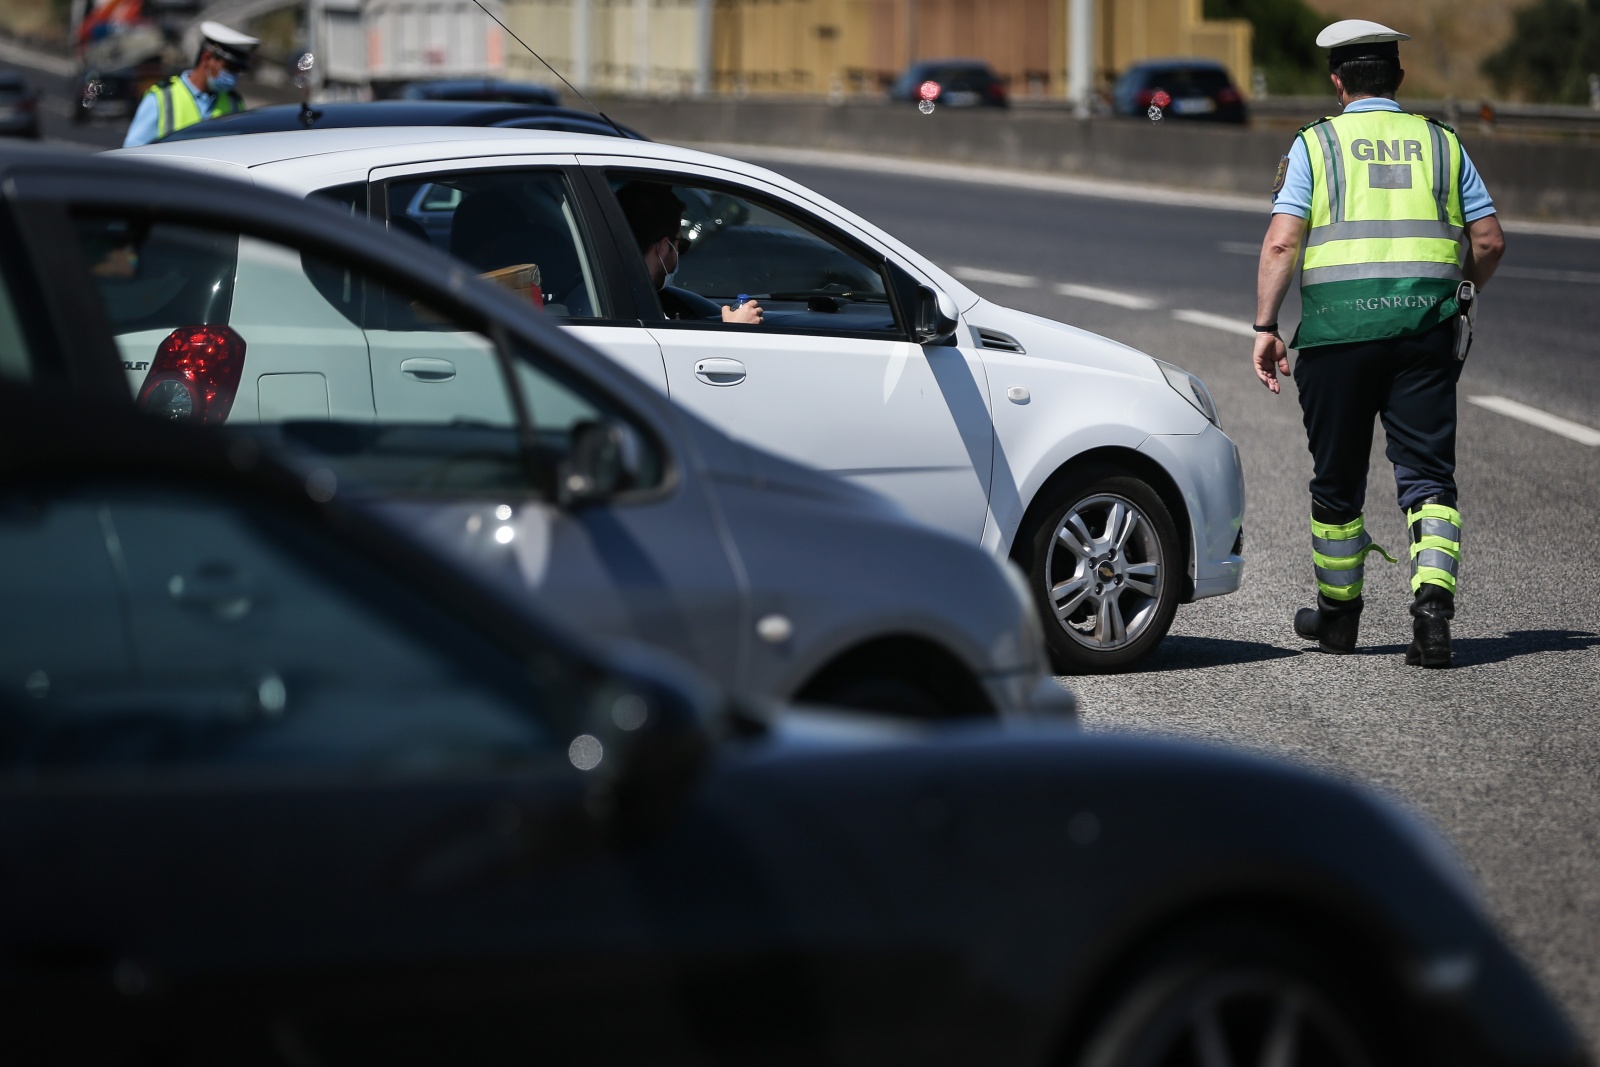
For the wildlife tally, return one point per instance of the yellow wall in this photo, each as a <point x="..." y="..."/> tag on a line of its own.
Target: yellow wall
<point x="818" y="46"/>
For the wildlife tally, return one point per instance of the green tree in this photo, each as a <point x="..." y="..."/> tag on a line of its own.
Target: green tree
<point x="1554" y="47"/>
<point x="1284" y="44"/>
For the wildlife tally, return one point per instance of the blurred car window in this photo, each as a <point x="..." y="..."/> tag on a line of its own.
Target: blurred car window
<point x="16" y="360"/>
<point x="178" y="631"/>
<point x="806" y="280"/>
<point x="503" y="223"/>
<point x="377" y="383"/>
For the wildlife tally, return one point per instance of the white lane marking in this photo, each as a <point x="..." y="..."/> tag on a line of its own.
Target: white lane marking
<point x="1216" y="322"/>
<point x="1573" y="431"/>
<point x="1239" y="248"/>
<point x="26" y="57"/>
<point x="1541" y="274"/>
<point x="1056" y="183"/>
<point x="1106" y="296"/>
<point x="996" y="277"/>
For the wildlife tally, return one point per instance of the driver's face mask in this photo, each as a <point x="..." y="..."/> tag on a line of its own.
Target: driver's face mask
<point x="667" y="275"/>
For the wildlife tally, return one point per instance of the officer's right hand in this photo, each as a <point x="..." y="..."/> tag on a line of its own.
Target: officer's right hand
<point x="1272" y="359"/>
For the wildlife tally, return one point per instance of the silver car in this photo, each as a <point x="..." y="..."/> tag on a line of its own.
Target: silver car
<point x="392" y="371"/>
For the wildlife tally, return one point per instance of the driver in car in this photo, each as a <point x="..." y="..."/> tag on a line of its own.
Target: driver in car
<point x="655" y="214"/>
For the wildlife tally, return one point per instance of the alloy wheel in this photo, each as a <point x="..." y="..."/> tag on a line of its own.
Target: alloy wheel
<point x="1105" y="572"/>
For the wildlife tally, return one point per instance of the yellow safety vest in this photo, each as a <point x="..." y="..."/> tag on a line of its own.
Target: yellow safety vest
<point x="178" y="108"/>
<point x="1386" y="244"/>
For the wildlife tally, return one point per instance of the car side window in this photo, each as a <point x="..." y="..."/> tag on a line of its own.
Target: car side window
<point x="736" y="243"/>
<point x="232" y="639"/>
<point x="519" y="229"/>
<point x="376" y="382"/>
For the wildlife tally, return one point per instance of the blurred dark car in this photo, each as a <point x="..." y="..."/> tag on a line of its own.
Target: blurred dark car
<point x="1200" y="89"/>
<point x="481" y="90"/>
<point x="277" y="786"/>
<point x="961" y="83"/>
<point x="19" y="106"/>
<point x="282" y="117"/>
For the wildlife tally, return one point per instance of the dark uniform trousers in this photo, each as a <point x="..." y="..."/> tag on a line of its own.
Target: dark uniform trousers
<point x="1409" y="383"/>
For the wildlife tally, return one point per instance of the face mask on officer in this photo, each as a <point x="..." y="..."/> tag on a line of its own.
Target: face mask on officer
<point x="223" y="81"/>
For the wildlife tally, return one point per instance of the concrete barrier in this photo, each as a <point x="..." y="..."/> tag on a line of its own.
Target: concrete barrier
<point x="1551" y="179"/>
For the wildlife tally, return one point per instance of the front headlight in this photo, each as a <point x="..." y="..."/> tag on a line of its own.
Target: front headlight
<point x="1191" y="389"/>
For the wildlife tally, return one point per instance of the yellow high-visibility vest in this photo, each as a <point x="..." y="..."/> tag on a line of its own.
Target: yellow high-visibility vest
<point x="178" y="108"/>
<point x="1387" y="240"/>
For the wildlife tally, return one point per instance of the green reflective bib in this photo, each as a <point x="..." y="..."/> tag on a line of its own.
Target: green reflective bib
<point x="178" y="108"/>
<point x="1386" y="243"/>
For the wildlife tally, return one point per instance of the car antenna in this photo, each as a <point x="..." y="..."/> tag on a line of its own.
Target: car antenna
<point x="620" y="131"/>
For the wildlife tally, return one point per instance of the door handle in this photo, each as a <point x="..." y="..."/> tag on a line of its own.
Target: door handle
<point x="425" y="369"/>
<point x="719" y="371"/>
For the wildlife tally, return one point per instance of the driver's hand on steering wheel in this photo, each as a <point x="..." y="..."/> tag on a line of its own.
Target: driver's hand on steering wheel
<point x="747" y="312"/>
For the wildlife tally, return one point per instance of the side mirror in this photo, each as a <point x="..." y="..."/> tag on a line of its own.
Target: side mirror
<point x="930" y="316"/>
<point x="604" y="458"/>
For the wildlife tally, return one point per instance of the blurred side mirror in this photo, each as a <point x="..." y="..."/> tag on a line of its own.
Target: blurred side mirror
<point x="930" y="315"/>
<point x="604" y="458"/>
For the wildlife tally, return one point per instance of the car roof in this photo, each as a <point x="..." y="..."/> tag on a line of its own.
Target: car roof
<point x="281" y="160"/>
<point x="280" y="118"/>
<point x="1177" y="61"/>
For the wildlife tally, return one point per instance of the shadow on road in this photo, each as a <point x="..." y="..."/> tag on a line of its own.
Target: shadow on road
<point x="1186" y="653"/>
<point x="1474" y="651"/>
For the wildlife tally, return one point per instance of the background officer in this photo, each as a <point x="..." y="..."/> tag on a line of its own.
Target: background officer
<point x="202" y="92"/>
<point x="1394" y="218"/>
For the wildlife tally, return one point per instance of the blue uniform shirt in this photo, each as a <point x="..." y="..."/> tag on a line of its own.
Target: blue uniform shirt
<point x="1295" y="196"/>
<point x="147" y="120"/>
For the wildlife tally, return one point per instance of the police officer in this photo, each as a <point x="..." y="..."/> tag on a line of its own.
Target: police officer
<point x="202" y="92"/>
<point x="1394" y="219"/>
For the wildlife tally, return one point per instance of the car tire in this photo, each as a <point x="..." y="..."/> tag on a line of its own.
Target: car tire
<point x="1104" y="606"/>
<point x="1236" y="993"/>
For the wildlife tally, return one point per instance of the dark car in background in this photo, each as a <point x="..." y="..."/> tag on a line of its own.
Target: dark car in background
<point x="480" y="89"/>
<point x="1199" y="89"/>
<point x="955" y="83"/>
<point x="280" y="118"/>
<point x="19" y="106"/>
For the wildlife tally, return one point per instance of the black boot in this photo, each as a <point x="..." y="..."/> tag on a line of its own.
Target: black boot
<point x="1431" y="613"/>
<point x="1332" y="624"/>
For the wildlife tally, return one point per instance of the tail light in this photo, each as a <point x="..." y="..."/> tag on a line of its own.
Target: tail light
<point x="195" y="375"/>
<point x="1144" y="97"/>
<point x="1227" y="96"/>
<point x="997" y="91"/>
<point x="928" y="90"/>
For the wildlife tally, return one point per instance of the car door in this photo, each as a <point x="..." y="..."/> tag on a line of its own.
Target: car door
<point x="463" y="435"/>
<point x="503" y="215"/>
<point x="268" y="805"/>
<point x="830" y="378"/>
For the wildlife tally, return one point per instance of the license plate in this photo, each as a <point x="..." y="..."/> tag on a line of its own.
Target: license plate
<point x="1195" y="105"/>
<point x="960" y="99"/>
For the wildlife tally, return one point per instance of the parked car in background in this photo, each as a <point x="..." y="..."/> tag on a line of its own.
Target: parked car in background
<point x="19" y="106"/>
<point x="1103" y="473"/>
<point x="954" y="83"/>
<point x="391" y="372"/>
<point x="482" y="90"/>
<point x="279" y="118"/>
<point x="278" y="786"/>
<point x="1200" y="89"/>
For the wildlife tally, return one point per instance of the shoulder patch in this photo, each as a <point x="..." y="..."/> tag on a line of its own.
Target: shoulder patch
<point x="1318" y="122"/>
<point x="1283" y="172"/>
<point x="1436" y="122"/>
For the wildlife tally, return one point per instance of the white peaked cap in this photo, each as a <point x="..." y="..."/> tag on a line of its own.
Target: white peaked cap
<point x="227" y="36"/>
<point x="1358" y="31"/>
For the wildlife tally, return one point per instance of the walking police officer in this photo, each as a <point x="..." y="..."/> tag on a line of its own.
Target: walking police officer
<point x="205" y="91"/>
<point x="1399" y="232"/>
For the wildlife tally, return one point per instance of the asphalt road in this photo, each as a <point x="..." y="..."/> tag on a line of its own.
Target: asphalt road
<point x="1502" y="753"/>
